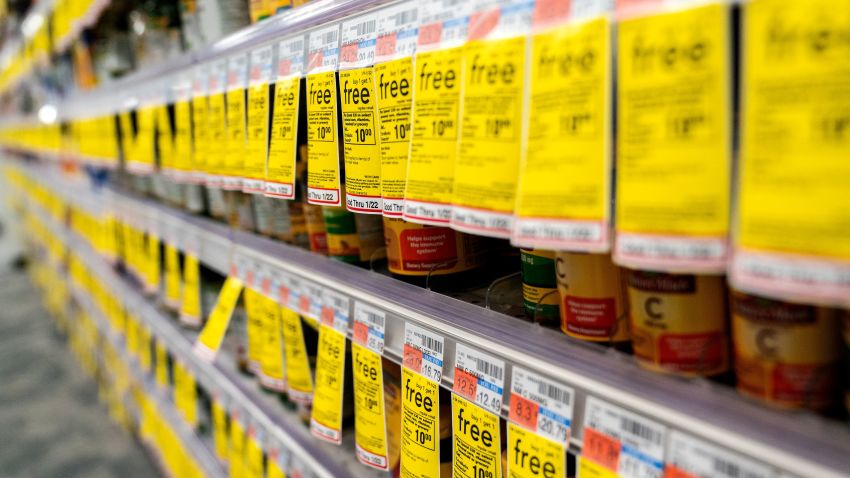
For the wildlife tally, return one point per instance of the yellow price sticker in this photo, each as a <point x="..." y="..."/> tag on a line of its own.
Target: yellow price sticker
<point x="172" y="277"/>
<point x="145" y="358"/>
<point x="394" y="82"/>
<point x="212" y="335"/>
<point x="326" y="417"/>
<point x="299" y="379"/>
<point x="433" y="146"/>
<point x="420" y="426"/>
<point x="254" y="328"/>
<point x="271" y="363"/>
<point x="369" y="414"/>
<point x="253" y="456"/>
<point x="161" y="371"/>
<point x="220" y="434"/>
<point x="485" y="174"/>
<point x="280" y="170"/>
<point x="200" y="134"/>
<point x="477" y="444"/>
<point x="323" y="185"/>
<point x="218" y="144"/>
<point x="258" y="134"/>
<point x="190" y="305"/>
<point x="591" y="469"/>
<point x="563" y="196"/>
<point x="182" y="139"/>
<point x="151" y="266"/>
<point x="532" y="456"/>
<point x="674" y="152"/>
<point x="360" y="141"/>
<point x="236" y="448"/>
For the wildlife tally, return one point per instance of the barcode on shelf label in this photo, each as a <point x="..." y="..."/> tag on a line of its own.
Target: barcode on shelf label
<point x="397" y="30"/>
<point x="369" y="326"/>
<point x="323" y="49"/>
<point x="294" y="292"/>
<point x="423" y="352"/>
<point x="336" y="309"/>
<point x="444" y="23"/>
<point x="640" y="440"/>
<point x="358" y="41"/>
<point x="290" y="57"/>
<point x="479" y="377"/>
<point x="691" y="456"/>
<point x="261" y="65"/>
<point x="500" y="18"/>
<point x="237" y="71"/>
<point x="541" y="405"/>
<point x="310" y="303"/>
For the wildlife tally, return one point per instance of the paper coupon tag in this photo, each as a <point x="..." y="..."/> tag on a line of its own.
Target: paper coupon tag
<point x="397" y="31"/>
<point x="291" y="288"/>
<point x="443" y="23"/>
<point x="495" y="19"/>
<point x="275" y="464"/>
<point x="254" y="453"/>
<point x="394" y="83"/>
<point x="789" y="240"/>
<point x="621" y="441"/>
<point x="161" y="368"/>
<point x="299" y="379"/>
<point x="311" y="300"/>
<point x="261" y="67"/>
<point x="565" y="204"/>
<point x="433" y="146"/>
<point x="423" y="352"/>
<point x="369" y="326"/>
<point x="272" y="366"/>
<point x="541" y="405"/>
<point x="336" y="309"/>
<point x="477" y="443"/>
<point x="254" y="328"/>
<point x="667" y="219"/>
<point x="487" y="164"/>
<point x="323" y="175"/>
<point x="358" y="40"/>
<point x="237" y="139"/>
<point x="280" y="171"/>
<point x="236" y="446"/>
<point x="530" y="455"/>
<point x="190" y="305"/>
<point x="209" y="341"/>
<point x="145" y="353"/>
<point x="326" y="417"/>
<point x="219" y="422"/>
<point x="362" y="151"/>
<point x="690" y="457"/>
<point x="172" y="277"/>
<point x="323" y="49"/>
<point x="200" y="122"/>
<point x="369" y="415"/>
<point x="217" y="124"/>
<point x="479" y="377"/>
<point x="420" y="425"/>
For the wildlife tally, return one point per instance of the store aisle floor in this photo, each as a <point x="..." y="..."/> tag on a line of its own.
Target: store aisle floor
<point x="51" y="423"/>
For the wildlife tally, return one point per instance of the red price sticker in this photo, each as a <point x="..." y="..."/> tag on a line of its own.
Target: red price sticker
<point x="385" y="45"/>
<point x="249" y="278"/>
<point x="465" y="384"/>
<point x="601" y="448"/>
<point x="430" y="34"/>
<point x="284" y="67"/>
<point x="482" y="23"/>
<point x="234" y="271"/>
<point x="304" y="304"/>
<point x="348" y="53"/>
<point x="547" y="12"/>
<point x="524" y="412"/>
<point x="672" y="472"/>
<point x="316" y="59"/>
<point x="266" y="286"/>
<point x="360" y="332"/>
<point x="283" y="294"/>
<point x="412" y="358"/>
<point x="327" y="316"/>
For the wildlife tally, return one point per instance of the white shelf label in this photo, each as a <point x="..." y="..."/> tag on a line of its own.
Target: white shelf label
<point x="237" y="72"/>
<point x="336" y="309"/>
<point x="261" y="65"/>
<point x="369" y="327"/>
<point x="358" y="41"/>
<point x="479" y="377"/>
<point x="443" y="23"/>
<point x="690" y="456"/>
<point x="324" y="49"/>
<point x="423" y="352"/>
<point x="542" y="405"/>
<point x="290" y="57"/>
<point x="398" y="29"/>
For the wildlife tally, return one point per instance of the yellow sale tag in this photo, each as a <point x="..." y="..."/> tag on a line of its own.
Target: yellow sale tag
<point x="420" y="426"/>
<point x="360" y="141"/>
<point x="161" y="371"/>
<point x="590" y="469"/>
<point x="394" y="82"/>
<point x="254" y="328"/>
<point x="219" y="420"/>
<point x="145" y="359"/>
<point x="237" y="145"/>
<point x="564" y="185"/>
<point x="177" y="390"/>
<point x="209" y="341"/>
<point x="182" y="136"/>
<point x="369" y="416"/>
<point x="172" y="276"/>
<point x="280" y="171"/>
<point x="433" y="147"/>
<point x="152" y="278"/>
<point x="164" y="139"/>
<point x="253" y="457"/>
<point x="200" y="134"/>
<point x="190" y="398"/>
<point x="674" y="142"/>
<point x="271" y="361"/>
<point x="258" y="136"/>
<point x="322" y="143"/>
<point x="132" y="335"/>
<point x="274" y="470"/>
<point x="796" y="133"/>
<point x="532" y="456"/>
<point x="299" y="380"/>
<point x="326" y="417"/>
<point x="218" y="143"/>
<point x="128" y="136"/>
<point x="190" y="305"/>
<point x="477" y="446"/>
<point x="236" y="450"/>
<point x="485" y="173"/>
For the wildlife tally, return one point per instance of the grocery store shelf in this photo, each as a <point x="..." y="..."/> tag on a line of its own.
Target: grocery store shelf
<point x="793" y="442"/>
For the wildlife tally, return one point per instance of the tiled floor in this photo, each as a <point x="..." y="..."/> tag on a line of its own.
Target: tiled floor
<point x="51" y="424"/>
